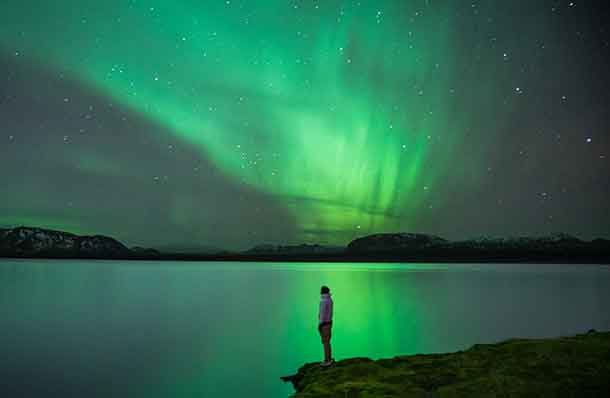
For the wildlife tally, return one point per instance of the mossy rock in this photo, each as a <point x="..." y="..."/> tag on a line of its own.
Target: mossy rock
<point x="576" y="366"/>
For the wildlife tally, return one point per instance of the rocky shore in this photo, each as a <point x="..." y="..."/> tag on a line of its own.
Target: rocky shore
<point x="576" y="366"/>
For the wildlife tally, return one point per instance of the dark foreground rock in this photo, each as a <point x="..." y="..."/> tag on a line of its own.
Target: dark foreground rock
<point x="577" y="366"/>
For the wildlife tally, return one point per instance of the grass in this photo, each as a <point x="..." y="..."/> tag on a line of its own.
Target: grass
<point x="576" y="366"/>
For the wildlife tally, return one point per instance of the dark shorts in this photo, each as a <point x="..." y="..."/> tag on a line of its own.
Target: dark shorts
<point x="325" y="332"/>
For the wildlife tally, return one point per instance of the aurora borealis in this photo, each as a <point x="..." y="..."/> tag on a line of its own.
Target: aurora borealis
<point x="231" y="123"/>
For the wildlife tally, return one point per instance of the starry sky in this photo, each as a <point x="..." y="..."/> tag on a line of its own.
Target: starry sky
<point x="194" y="124"/>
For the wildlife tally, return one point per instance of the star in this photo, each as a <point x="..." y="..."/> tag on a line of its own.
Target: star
<point x="362" y="114"/>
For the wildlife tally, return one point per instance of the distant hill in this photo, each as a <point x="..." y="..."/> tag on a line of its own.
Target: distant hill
<point x="403" y="246"/>
<point x="395" y="242"/>
<point x="556" y="247"/>
<point x="190" y="249"/>
<point x="46" y="243"/>
<point x="389" y="247"/>
<point x="295" y="249"/>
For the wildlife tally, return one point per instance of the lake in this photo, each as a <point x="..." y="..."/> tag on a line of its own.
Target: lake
<point x="184" y="329"/>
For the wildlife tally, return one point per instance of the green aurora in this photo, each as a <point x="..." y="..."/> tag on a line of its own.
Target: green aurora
<point x="331" y="110"/>
<point x="331" y="120"/>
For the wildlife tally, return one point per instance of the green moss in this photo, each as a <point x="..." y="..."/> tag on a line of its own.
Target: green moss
<point x="577" y="366"/>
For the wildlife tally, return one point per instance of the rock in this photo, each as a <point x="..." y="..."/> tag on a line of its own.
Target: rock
<point x="576" y="366"/>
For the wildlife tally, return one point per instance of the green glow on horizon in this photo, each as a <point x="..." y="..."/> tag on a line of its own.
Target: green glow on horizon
<point x="331" y="110"/>
<point x="377" y="314"/>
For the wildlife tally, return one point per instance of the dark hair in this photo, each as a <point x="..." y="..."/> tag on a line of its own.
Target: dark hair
<point x="324" y="290"/>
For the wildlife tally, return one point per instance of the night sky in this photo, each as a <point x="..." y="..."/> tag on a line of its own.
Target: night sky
<point x="190" y="124"/>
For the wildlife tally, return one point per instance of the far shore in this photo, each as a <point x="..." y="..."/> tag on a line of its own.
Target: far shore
<point x="403" y="247"/>
<point x="344" y="258"/>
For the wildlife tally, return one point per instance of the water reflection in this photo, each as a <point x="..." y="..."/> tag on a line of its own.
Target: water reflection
<point x="186" y="329"/>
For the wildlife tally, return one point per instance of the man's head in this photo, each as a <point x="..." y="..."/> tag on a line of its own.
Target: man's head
<point x="324" y="290"/>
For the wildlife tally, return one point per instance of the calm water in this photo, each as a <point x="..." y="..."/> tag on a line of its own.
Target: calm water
<point x="164" y="329"/>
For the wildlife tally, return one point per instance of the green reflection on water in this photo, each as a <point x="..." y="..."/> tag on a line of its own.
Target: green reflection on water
<point x="146" y="329"/>
<point x="269" y="323"/>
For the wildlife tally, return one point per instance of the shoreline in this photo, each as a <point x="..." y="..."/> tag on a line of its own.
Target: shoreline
<point x="565" y="366"/>
<point x="32" y="242"/>
<point x="427" y="259"/>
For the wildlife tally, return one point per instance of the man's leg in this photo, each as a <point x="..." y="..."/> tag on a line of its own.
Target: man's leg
<point x="323" y="339"/>
<point x="326" y="329"/>
<point x="327" y="351"/>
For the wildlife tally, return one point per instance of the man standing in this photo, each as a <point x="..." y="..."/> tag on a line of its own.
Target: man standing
<point x="325" y="323"/>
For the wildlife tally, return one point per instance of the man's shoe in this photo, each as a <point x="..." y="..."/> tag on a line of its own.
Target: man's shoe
<point x="327" y="363"/>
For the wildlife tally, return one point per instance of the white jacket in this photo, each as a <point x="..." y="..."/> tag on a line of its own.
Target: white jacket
<point x="326" y="308"/>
